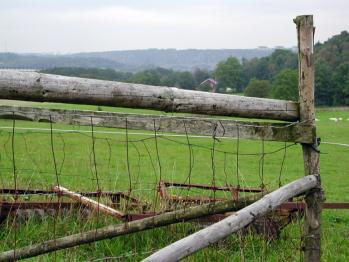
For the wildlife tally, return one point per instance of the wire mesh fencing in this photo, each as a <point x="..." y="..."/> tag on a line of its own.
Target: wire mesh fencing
<point x="59" y="179"/>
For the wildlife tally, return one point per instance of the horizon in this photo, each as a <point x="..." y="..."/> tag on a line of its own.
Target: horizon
<point x="99" y="26"/>
<point x="149" y="49"/>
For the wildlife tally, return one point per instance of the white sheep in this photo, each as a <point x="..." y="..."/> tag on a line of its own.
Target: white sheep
<point x="335" y="119"/>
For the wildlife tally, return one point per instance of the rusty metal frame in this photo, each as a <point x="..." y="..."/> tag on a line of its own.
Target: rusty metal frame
<point x="9" y="207"/>
<point x="235" y="190"/>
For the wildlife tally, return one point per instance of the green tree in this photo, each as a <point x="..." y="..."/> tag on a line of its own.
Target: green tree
<point x="267" y="67"/>
<point x="96" y="73"/>
<point x="166" y="77"/>
<point x="323" y="88"/>
<point x="346" y="88"/>
<point x="200" y="75"/>
<point x="257" y="88"/>
<point x="340" y="85"/>
<point x="284" y="85"/>
<point x="185" y="80"/>
<point x="148" y="77"/>
<point x="335" y="50"/>
<point x="229" y="75"/>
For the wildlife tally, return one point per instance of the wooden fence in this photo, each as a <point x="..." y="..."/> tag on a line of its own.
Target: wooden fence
<point x="35" y="86"/>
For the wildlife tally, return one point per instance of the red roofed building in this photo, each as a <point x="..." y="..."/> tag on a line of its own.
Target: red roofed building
<point x="211" y="83"/>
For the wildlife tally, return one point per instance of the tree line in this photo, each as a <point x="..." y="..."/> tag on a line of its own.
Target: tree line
<point x="156" y="76"/>
<point x="276" y="76"/>
<point x="273" y="76"/>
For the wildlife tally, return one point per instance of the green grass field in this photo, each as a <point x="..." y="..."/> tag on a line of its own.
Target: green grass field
<point x="139" y="162"/>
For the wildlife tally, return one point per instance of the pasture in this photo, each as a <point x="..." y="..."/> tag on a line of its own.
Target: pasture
<point x="134" y="160"/>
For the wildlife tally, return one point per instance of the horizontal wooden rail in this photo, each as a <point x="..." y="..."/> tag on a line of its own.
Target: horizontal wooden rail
<point x="193" y="243"/>
<point x="35" y="86"/>
<point x="289" y="132"/>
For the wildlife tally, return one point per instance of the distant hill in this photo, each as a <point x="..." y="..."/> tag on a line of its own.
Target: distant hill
<point x="41" y="61"/>
<point x="132" y="60"/>
<point x="177" y="59"/>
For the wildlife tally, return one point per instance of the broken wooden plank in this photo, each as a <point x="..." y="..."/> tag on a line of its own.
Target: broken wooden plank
<point x="89" y="202"/>
<point x="288" y="132"/>
<point x="33" y="86"/>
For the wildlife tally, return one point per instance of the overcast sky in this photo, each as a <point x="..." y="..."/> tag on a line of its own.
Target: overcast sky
<point x="85" y="25"/>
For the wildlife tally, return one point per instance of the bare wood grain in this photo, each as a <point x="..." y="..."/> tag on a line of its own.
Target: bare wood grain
<point x="35" y="86"/>
<point x="288" y="132"/>
<point x="312" y="238"/>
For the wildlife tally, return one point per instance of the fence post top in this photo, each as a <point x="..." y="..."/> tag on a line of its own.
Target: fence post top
<point x="304" y="20"/>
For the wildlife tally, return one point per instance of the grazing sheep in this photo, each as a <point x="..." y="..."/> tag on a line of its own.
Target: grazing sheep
<point x="340" y="119"/>
<point x="335" y="119"/>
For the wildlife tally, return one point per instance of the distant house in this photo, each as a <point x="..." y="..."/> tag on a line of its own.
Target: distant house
<point x="211" y="83"/>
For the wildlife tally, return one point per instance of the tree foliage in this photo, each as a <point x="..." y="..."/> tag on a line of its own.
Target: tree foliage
<point x="340" y="84"/>
<point x="257" y="88"/>
<point x="266" y="68"/>
<point x="229" y="75"/>
<point x="156" y="76"/>
<point x="331" y="70"/>
<point x="96" y="73"/>
<point x="200" y="75"/>
<point x="324" y="94"/>
<point x="250" y="76"/>
<point x="284" y="85"/>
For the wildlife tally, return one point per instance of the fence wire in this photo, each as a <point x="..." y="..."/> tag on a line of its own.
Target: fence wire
<point x="133" y="172"/>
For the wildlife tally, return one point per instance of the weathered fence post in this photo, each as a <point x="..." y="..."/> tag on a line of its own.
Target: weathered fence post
<point x="305" y="32"/>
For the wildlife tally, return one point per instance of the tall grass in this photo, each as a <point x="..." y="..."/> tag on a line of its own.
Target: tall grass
<point x="136" y="167"/>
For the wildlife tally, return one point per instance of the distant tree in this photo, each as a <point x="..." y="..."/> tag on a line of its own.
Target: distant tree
<point x="147" y="77"/>
<point x="340" y="85"/>
<point x="267" y="67"/>
<point x="323" y="86"/>
<point x="200" y="75"/>
<point x="185" y="80"/>
<point x="229" y="75"/>
<point x="96" y="73"/>
<point x="255" y="68"/>
<point x="346" y="88"/>
<point x="257" y="88"/>
<point x="331" y="72"/>
<point x="166" y="77"/>
<point x="284" y="85"/>
<point x="335" y="50"/>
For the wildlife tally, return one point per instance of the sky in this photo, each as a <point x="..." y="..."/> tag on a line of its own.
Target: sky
<point x="68" y="26"/>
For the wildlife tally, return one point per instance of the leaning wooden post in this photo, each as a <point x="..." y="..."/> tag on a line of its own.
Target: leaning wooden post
<point x="305" y="32"/>
<point x="218" y="231"/>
